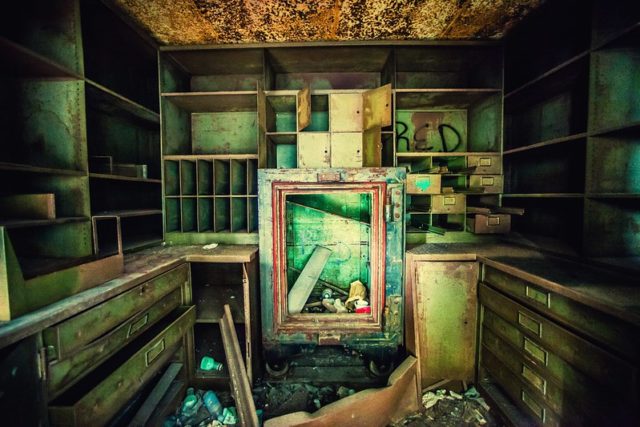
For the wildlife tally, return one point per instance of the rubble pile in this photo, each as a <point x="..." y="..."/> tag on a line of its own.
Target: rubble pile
<point x="447" y="408"/>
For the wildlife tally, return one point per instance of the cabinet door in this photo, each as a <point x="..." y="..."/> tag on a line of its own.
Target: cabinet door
<point x="303" y="108"/>
<point x="345" y="112"/>
<point x="346" y="150"/>
<point x="377" y="107"/>
<point x="445" y="320"/>
<point x="314" y="150"/>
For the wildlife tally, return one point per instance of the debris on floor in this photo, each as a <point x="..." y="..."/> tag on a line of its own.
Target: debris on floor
<point x="281" y="399"/>
<point x="447" y="408"/>
<point x="204" y="409"/>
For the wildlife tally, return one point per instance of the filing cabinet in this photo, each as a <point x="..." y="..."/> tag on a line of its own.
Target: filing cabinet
<point x="448" y="204"/>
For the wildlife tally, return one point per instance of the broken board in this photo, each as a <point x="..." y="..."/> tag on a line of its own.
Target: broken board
<point x="299" y="293"/>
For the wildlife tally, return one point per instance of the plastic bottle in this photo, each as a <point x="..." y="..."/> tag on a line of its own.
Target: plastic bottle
<point x="212" y="403"/>
<point x="191" y="404"/>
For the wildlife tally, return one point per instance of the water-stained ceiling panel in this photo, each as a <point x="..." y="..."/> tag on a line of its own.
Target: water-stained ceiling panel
<point x="256" y="21"/>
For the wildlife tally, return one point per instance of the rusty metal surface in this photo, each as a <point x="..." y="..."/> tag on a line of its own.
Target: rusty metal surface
<point x="250" y="21"/>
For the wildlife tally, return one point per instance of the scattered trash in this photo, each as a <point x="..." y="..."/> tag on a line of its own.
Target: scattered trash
<point x="344" y="392"/>
<point x="328" y="303"/>
<point x="339" y="306"/>
<point x="285" y="398"/>
<point x="444" y="408"/>
<point x="357" y="291"/>
<point x="327" y="293"/>
<point x="212" y="403"/>
<point x="210" y="364"/>
<point x="210" y="246"/>
<point x="229" y="416"/>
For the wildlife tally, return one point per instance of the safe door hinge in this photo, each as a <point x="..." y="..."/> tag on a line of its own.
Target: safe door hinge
<point x="393" y="206"/>
<point x="44" y="355"/>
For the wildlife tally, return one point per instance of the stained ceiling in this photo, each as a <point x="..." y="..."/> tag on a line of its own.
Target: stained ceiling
<point x="256" y="21"/>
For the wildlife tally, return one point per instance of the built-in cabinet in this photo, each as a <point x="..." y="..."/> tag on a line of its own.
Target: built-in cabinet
<point x="228" y="111"/>
<point x="571" y="127"/>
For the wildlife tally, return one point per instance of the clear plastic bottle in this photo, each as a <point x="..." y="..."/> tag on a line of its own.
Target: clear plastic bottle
<point x="212" y="403"/>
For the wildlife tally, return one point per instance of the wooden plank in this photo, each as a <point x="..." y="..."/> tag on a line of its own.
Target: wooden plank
<point x="166" y="406"/>
<point x="371" y="407"/>
<point x="299" y="293"/>
<point x="156" y="395"/>
<point x="29" y="206"/>
<point x="240" y="386"/>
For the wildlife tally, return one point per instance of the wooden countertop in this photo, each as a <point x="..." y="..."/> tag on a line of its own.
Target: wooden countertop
<point x="604" y="289"/>
<point x="138" y="267"/>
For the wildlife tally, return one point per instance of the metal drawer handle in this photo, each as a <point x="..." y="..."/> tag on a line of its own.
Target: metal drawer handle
<point x="541" y="297"/>
<point x="155" y="351"/>
<point x="135" y="326"/>
<point x="487" y="181"/>
<point x="535" y="351"/>
<point x="538" y="410"/>
<point x="534" y="379"/>
<point x="449" y="201"/>
<point x="530" y="324"/>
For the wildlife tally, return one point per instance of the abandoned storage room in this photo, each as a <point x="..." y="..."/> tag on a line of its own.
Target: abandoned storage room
<point x="320" y="213"/>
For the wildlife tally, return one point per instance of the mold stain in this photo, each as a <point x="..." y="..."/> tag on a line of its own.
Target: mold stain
<point x="257" y="21"/>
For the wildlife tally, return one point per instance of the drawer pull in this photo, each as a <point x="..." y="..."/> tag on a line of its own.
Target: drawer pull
<point x="530" y="324"/>
<point x="135" y="326"/>
<point x="449" y="201"/>
<point x="484" y="161"/>
<point x="154" y="352"/>
<point x="541" y="297"/>
<point x="534" y="379"/>
<point x="535" y="351"/>
<point x="537" y="410"/>
<point x="487" y="181"/>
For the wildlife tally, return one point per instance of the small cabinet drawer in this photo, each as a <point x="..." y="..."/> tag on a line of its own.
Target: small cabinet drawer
<point x="63" y="373"/>
<point x="485" y="164"/>
<point x="424" y="183"/>
<point x="489" y="224"/>
<point x="99" y="396"/>
<point x="606" y="329"/>
<point x="448" y="204"/>
<point x="490" y="184"/>
<point x="69" y="336"/>
<point x="314" y="150"/>
<point x="603" y="367"/>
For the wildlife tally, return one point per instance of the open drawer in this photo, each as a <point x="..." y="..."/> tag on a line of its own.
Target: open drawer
<point x="101" y="395"/>
<point x="71" y="335"/>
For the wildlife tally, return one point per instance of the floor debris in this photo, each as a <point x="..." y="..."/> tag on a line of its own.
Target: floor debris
<point x="281" y="399"/>
<point x="443" y="408"/>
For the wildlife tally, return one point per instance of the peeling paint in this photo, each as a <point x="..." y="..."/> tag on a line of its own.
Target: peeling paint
<point x="255" y="21"/>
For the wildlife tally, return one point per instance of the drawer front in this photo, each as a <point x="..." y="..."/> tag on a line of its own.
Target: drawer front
<point x="71" y="335"/>
<point x="490" y="224"/>
<point x="606" y="329"/>
<point x="572" y="400"/>
<point x="424" y="184"/>
<point x="345" y="112"/>
<point x="63" y="373"/>
<point x="490" y="184"/>
<point x="521" y="393"/>
<point x="105" y="399"/>
<point x="598" y="364"/>
<point x="485" y="164"/>
<point x="448" y="204"/>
